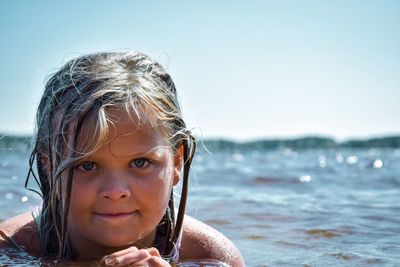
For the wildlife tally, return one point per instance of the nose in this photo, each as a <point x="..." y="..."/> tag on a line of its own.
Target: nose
<point x="115" y="189"/>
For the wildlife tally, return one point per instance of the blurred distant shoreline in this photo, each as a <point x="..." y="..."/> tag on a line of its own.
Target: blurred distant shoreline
<point x="23" y="143"/>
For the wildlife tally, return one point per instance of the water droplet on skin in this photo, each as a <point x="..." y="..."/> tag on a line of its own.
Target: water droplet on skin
<point x="14" y="178"/>
<point x="9" y="195"/>
<point x="24" y="199"/>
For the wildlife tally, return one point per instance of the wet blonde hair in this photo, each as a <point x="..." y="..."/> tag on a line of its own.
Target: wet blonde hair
<point x="78" y="97"/>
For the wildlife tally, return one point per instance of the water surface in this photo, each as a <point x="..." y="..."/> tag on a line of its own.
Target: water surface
<point x="282" y="207"/>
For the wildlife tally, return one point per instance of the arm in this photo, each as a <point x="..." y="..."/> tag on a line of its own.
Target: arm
<point x="20" y="232"/>
<point x="200" y="241"/>
<point x="3" y="240"/>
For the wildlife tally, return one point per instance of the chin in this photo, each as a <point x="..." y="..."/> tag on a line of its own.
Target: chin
<point x="118" y="241"/>
<point x="117" y="238"/>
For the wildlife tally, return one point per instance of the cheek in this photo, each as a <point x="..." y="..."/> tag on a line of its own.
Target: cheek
<point x="157" y="188"/>
<point x="82" y="191"/>
<point x="81" y="200"/>
<point x="76" y="196"/>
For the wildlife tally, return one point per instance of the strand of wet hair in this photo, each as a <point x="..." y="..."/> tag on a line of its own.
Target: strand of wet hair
<point x="187" y="157"/>
<point x="65" y="246"/>
<point x="32" y="173"/>
<point x="56" y="226"/>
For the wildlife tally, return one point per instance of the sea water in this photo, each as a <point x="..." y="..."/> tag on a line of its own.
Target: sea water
<point x="281" y="207"/>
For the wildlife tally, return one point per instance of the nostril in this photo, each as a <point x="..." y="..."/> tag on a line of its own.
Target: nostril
<point x="115" y="193"/>
<point x="115" y="187"/>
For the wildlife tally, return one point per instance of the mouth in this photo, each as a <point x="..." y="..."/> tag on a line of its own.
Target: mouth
<point x="117" y="215"/>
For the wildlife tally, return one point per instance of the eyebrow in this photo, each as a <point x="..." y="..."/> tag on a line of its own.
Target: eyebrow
<point x="141" y="152"/>
<point x="155" y="150"/>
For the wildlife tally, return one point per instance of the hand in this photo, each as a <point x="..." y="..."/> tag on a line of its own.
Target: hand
<point x="135" y="257"/>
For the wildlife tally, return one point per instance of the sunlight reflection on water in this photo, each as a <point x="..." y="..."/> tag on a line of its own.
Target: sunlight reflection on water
<point x="315" y="207"/>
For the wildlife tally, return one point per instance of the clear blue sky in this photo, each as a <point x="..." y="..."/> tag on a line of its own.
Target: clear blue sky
<point x="244" y="69"/>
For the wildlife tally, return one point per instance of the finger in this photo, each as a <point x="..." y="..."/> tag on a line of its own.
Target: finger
<point x="154" y="252"/>
<point x="152" y="261"/>
<point x="155" y="261"/>
<point x="138" y="255"/>
<point x="133" y="258"/>
<point x="124" y="251"/>
<point x="112" y="258"/>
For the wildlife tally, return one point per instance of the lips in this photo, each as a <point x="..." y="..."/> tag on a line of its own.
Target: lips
<point x="114" y="215"/>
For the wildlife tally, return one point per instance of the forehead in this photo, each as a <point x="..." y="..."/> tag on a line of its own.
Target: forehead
<point x="124" y="129"/>
<point x="129" y="125"/>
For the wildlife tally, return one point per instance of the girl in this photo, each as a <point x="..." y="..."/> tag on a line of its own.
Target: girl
<point x="110" y="146"/>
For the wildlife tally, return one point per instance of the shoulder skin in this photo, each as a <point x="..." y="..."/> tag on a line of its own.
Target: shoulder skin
<point x="22" y="231"/>
<point x="200" y="241"/>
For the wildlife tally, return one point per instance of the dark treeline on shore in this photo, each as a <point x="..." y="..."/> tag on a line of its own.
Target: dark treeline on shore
<point x="25" y="143"/>
<point x="303" y="143"/>
<point x="12" y="142"/>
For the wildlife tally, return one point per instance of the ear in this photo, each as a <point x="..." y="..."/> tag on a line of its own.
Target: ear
<point x="178" y="163"/>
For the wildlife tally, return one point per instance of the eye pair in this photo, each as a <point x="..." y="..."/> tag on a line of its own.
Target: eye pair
<point x="136" y="163"/>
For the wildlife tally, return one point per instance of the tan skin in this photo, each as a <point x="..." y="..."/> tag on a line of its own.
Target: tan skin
<point x="122" y="186"/>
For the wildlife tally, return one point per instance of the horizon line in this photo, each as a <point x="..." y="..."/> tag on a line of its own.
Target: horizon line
<point x="259" y="138"/>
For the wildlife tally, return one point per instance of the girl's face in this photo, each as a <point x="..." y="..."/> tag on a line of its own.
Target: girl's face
<point x="121" y="191"/>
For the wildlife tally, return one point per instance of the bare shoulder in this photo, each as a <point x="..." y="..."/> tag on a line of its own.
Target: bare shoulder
<point x="200" y="241"/>
<point x="20" y="231"/>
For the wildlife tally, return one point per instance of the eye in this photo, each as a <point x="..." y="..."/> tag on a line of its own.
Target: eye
<point x="86" y="166"/>
<point x="139" y="163"/>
